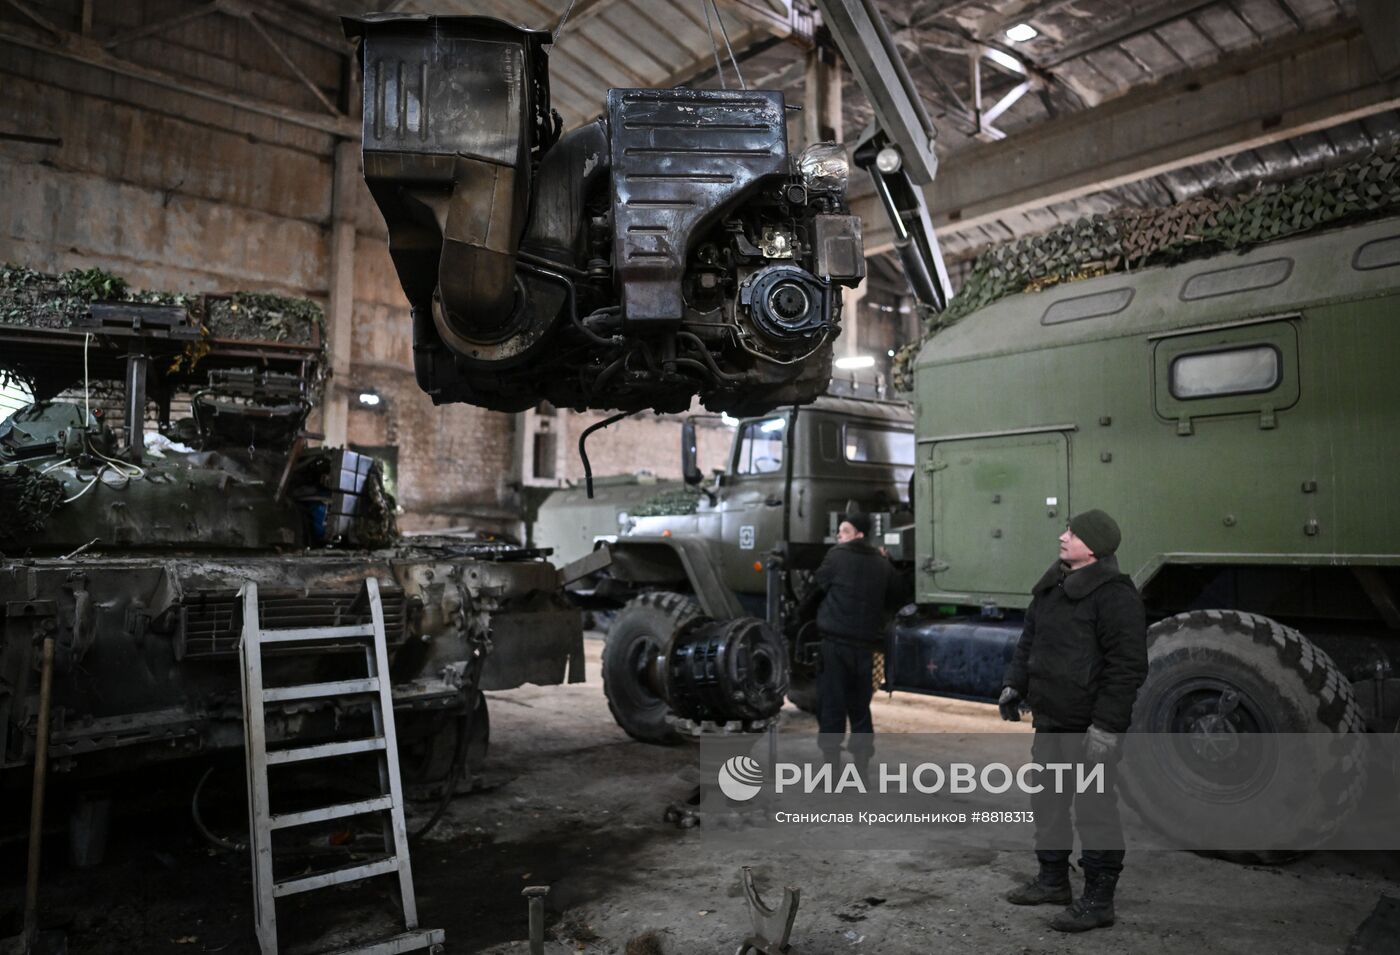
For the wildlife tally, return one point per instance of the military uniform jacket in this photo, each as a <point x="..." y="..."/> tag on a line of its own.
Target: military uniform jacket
<point x="1083" y="653"/>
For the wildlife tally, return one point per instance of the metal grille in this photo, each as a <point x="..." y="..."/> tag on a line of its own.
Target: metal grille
<point x="212" y="627"/>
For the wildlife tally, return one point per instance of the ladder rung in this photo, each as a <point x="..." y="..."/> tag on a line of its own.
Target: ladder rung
<point x="325" y="750"/>
<point x="305" y="817"/>
<point x="316" y="633"/>
<point x="322" y="880"/>
<point x="314" y="691"/>
<point x="407" y="942"/>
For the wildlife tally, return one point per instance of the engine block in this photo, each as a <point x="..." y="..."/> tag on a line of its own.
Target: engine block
<point x="671" y="248"/>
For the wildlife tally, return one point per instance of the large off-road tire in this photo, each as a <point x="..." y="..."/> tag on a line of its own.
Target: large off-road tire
<point x="1214" y="678"/>
<point x="640" y="631"/>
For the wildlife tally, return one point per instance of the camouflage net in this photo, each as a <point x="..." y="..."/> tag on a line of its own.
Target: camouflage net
<point x="672" y="503"/>
<point x="39" y="300"/>
<point x="263" y="317"/>
<point x="1134" y="238"/>
<point x="27" y="498"/>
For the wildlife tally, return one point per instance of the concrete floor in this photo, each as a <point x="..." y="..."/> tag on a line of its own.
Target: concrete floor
<point x="582" y="812"/>
<point x="574" y="804"/>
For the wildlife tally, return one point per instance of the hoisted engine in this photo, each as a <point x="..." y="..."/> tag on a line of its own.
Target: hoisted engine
<point x="670" y="248"/>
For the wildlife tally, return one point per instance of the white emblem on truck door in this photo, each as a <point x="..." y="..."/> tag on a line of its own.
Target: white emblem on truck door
<point x="746" y="537"/>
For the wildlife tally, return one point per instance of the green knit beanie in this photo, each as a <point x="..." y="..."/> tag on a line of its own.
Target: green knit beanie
<point x="1097" y="530"/>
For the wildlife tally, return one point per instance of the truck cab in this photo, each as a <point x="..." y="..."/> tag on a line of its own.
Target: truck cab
<point x="787" y="477"/>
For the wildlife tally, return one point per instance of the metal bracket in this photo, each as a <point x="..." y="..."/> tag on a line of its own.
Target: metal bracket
<point x="772" y="927"/>
<point x="984" y="118"/>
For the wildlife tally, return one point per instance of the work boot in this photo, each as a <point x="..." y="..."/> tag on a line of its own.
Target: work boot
<point x="1093" y="909"/>
<point x="1051" y="885"/>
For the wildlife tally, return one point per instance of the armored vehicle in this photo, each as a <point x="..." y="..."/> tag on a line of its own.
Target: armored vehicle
<point x="161" y="463"/>
<point x="740" y="545"/>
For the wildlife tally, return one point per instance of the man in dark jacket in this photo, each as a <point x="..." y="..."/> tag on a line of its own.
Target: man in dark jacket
<point x="859" y="585"/>
<point x="1080" y="661"/>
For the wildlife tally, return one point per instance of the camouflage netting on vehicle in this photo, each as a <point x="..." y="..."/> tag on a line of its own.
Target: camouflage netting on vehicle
<point x="1134" y="238"/>
<point x="38" y="299"/>
<point x="27" y="498"/>
<point x="669" y="503"/>
<point x="257" y="315"/>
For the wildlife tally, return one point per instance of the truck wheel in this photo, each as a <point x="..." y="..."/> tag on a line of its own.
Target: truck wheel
<point x="1216" y="679"/>
<point x="641" y="630"/>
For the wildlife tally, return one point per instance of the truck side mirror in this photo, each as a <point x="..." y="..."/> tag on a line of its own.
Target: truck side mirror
<point x="690" y="470"/>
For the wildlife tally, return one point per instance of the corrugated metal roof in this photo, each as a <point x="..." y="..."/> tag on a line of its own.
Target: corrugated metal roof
<point x="1087" y="52"/>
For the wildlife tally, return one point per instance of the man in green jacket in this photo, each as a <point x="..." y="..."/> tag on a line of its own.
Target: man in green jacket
<point x="1079" y="664"/>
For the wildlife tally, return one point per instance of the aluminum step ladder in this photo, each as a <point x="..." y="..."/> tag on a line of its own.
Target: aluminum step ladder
<point x="373" y="688"/>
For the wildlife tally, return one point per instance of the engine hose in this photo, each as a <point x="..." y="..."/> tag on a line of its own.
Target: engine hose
<point x="459" y="757"/>
<point x="449" y="786"/>
<point x="583" y="450"/>
<point x="690" y="337"/>
<point x="551" y="276"/>
<point x="218" y="842"/>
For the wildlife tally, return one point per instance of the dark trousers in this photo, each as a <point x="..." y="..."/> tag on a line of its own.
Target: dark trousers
<point x="845" y="687"/>
<point x="1095" y="814"/>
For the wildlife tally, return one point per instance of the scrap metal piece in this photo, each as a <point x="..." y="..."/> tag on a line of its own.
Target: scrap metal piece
<point x="772" y="927"/>
<point x="536" y="894"/>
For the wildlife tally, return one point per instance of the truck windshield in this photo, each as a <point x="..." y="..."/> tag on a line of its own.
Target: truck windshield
<point x="761" y="446"/>
<point x="870" y="445"/>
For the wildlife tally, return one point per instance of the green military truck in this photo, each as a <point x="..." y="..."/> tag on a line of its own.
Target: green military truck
<point x="739" y="546"/>
<point x="1236" y="413"/>
<point x="1234" y="409"/>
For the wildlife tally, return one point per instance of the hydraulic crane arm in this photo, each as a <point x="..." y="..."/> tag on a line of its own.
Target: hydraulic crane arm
<point x="897" y="149"/>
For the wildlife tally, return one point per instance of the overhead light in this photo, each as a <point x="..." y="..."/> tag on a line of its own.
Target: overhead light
<point x="1022" y="32"/>
<point x="856" y="361"/>
<point x="890" y="353"/>
<point x="728" y="419"/>
<point x="775" y="424"/>
<point x="370" y="399"/>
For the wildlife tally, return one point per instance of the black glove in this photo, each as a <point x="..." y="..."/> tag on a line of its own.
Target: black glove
<point x="1010" y="705"/>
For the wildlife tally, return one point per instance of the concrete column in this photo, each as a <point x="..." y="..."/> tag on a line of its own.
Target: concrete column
<point x="822" y="122"/>
<point x="850" y="319"/>
<point x="821" y="114"/>
<point x="340" y="311"/>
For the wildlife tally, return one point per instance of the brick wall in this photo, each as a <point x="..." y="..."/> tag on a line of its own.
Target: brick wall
<point x="642" y="443"/>
<point x="180" y="192"/>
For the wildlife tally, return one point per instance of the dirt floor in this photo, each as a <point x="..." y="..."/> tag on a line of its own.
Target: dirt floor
<point x="572" y="803"/>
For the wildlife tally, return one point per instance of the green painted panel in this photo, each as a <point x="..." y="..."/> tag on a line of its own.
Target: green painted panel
<point x="998" y="504"/>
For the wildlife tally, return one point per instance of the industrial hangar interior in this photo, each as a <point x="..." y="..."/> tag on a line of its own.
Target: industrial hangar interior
<point x="466" y="465"/>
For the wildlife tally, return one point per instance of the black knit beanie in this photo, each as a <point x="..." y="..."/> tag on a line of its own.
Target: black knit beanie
<point x="860" y="522"/>
<point x="1097" y="530"/>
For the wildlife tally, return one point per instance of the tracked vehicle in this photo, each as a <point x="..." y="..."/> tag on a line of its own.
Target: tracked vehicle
<point x="161" y="464"/>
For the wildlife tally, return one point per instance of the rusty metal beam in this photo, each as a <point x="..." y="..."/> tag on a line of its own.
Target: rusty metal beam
<point x="84" y="50"/>
<point x="161" y="25"/>
<point x="1298" y="86"/>
<point x="289" y="63"/>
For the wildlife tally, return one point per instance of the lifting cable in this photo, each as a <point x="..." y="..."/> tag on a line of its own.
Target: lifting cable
<point x="719" y="17"/>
